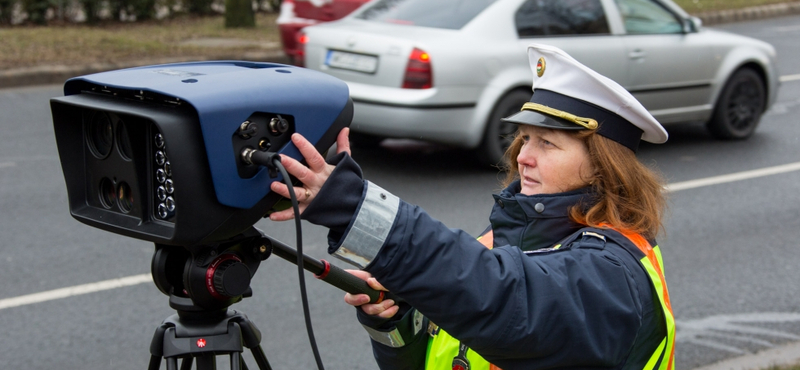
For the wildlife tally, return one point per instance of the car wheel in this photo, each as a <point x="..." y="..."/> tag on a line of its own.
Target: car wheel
<point x="498" y="134"/>
<point x="739" y="106"/>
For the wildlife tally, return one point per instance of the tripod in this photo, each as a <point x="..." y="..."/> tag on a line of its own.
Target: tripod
<point x="204" y="336"/>
<point x="203" y="281"/>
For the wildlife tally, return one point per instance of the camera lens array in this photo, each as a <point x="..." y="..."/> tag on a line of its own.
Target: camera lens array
<point x="104" y="133"/>
<point x="165" y="188"/>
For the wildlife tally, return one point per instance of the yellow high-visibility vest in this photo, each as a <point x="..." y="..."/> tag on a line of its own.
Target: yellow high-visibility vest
<point x="444" y="351"/>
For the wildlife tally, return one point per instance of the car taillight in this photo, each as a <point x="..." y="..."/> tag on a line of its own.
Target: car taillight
<point x="418" y="71"/>
<point x="302" y="38"/>
<point x="299" y="58"/>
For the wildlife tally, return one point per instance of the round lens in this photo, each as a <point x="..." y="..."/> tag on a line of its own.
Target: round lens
<point x="159" y="141"/>
<point x="161" y="158"/>
<point x="170" y="186"/>
<point x="100" y="135"/>
<point x="162" y="211"/>
<point x="123" y="141"/>
<point x="124" y="197"/>
<point x="107" y="193"/>
<point x="168" y="168"/>
<point x="161" y="176"/>
<point x="161" y="192"/>
<point x="170" y="204"/>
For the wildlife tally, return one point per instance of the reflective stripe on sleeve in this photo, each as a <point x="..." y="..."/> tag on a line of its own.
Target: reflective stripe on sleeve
<point x="394" y="338"/>
<point x="370" y="228"/>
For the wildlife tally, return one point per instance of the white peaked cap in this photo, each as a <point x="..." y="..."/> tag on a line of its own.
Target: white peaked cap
<point x="562" y="85"/>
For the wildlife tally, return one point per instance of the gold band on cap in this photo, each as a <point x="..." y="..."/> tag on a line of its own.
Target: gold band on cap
<point x="588" y="123"/>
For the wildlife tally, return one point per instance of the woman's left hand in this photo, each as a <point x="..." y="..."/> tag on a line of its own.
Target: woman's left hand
<point x="313" y="177"/>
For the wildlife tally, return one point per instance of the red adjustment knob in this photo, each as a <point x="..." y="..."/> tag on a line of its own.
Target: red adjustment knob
<point x="227" y="277"/>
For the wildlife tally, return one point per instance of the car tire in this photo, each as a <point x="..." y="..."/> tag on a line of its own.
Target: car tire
<point x="362" y="140"/>
<point x="498" y="134"/>
<point x="739" y="107"/>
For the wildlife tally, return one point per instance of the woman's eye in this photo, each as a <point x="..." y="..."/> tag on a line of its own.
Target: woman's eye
<point x="526" y="138"/>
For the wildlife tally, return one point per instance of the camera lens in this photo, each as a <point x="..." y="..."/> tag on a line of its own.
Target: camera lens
<point x="161" y="158"/>
<point x="170" y="204"/>
<point x="100" y="135"/>
<point x="107" y="193"/>
<point x="124" y="197"/>
<point x="159" y="141"/>
<point x="163" y="213"/>
<point x="161" y="176"/>
<point x="169" y="186"/>
<point x="161" y="192"/>
<point x="123" y="141"/>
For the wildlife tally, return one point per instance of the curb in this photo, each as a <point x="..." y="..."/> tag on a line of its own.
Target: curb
<point x="788" y="354"/>
<point x="750" y="13"/>
<point x="57" y="74"/>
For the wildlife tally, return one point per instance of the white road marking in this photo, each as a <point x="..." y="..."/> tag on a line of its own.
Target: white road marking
<point x="739" y="176"/>
<point x="146" y="278"/>
<point x="788" y="78"/>
<point x="7" y="164"/>
<point x="74" y="291"/>
<point x="736" y="333"/>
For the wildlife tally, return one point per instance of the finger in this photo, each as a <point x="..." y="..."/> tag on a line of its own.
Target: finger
<point x="279" y="188"/>
<point x="343" y="141"/>
<point x="390" y="312"/>
<point x="315" y="161"/>
<point x="356" y="299"/>
<point x="285" y="215"/>
<point x="297" y="169"/>
<point x="378" y="309"/>
<point x="361" y="274"/>
<point x="374" y="284"/>
<point x="302" y="194"/>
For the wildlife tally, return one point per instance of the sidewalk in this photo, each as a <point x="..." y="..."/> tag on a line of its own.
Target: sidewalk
<point x="57" y="74"/>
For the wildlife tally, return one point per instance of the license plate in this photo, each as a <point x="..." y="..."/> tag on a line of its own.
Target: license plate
<point x="352" y="61"/>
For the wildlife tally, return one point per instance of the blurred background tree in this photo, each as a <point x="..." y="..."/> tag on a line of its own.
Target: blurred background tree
<point x="239" y="13"/>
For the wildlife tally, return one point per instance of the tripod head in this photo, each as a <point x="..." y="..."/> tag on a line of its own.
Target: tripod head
<point x="209" y="277"/>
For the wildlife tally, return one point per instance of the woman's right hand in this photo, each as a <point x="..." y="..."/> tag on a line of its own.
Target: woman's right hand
<point x="312" y="176"/>
<point x="385" y="309"/>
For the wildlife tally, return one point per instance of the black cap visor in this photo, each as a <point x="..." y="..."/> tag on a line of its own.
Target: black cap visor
<point x="533" y="118"/>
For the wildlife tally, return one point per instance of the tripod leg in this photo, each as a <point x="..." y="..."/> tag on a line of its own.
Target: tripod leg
<point x="172" y="363"/>
<point x="206" y="361"/>
<point x="186" y="363"/>
<point x="236" y="360"/>
<point x="261" y="359"/>
<point x="155" y="362"/>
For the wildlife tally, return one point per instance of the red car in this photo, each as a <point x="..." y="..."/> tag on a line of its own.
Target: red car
<point x="296" y="14"/>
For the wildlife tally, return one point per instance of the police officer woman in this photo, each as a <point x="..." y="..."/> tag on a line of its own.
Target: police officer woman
<point x="568" y="276"/>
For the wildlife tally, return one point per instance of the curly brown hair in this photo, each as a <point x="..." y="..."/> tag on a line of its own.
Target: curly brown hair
<point x="629" y="195"/>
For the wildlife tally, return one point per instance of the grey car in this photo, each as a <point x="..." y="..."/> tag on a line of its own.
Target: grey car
<point x="446" y="71"/>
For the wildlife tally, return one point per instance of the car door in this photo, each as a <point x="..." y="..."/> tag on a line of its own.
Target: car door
<point x="579" y="27"/>
<point x="670" y="69"/>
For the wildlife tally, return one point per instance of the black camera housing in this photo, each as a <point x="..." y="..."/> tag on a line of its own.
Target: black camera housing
<point x="154" y="153"/>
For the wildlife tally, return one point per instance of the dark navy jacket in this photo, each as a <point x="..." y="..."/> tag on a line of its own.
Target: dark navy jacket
<point x="520" y="305"/>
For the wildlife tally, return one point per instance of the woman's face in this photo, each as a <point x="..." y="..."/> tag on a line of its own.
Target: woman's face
<point x="552" y="161"/>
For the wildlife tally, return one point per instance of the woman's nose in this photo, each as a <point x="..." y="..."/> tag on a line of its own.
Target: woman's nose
<point x="526" y="157"/>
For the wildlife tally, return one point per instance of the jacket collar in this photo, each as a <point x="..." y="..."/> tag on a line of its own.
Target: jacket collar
<point x="532" y="222"/>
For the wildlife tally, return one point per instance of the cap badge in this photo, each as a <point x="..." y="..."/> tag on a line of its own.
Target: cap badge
<point x="540" y="66"/>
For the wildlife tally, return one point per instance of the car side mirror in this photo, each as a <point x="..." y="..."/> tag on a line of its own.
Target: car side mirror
<point x="692" y="24"/>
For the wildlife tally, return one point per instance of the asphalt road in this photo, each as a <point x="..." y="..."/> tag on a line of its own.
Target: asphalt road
<point x="730" y="248"/>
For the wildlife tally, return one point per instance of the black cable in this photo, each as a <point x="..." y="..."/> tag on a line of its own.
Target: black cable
<point x="276" y="161"/>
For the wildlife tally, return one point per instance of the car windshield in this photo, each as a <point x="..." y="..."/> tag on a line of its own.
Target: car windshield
<point x="450" y="14"/>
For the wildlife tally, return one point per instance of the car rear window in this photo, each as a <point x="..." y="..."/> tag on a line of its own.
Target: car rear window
<point x="450" y="14"/>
